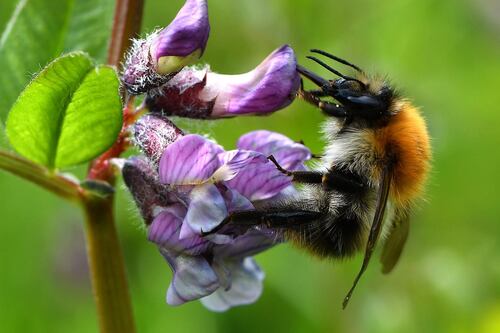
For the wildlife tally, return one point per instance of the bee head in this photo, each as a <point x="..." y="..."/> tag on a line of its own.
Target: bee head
<point x="357" y="98"/>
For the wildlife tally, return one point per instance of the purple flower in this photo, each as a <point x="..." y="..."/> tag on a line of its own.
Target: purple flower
<point x="194" y="187"/>
<point x="154" y="60"/>
<point x="183" y="40"/>
<point x="201" y="93"/>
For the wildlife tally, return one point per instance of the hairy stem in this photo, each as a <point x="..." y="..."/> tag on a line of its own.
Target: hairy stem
<point x="107" y="267"/>
<point x="40" y="175"/>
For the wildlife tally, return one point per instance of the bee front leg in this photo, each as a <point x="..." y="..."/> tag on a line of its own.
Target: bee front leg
<point x="333" y="180"/>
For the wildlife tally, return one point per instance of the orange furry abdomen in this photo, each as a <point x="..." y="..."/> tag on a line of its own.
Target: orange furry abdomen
<point x="406" y="141"/>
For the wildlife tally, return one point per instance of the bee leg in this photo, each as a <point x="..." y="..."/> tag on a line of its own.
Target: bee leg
<point x="272" y="218"/>
<point x="333" y="180"/>
<point x="331" y="109"/>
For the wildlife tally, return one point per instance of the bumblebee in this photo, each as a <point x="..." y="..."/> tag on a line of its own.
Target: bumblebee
<point x="373" y="170"/>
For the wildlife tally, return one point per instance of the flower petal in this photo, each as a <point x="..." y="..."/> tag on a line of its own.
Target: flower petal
<point x="234" y="161"/>
<point x="190" y="160"/>
<point x="201" y="93"/>
<point x="291" y="155"/>
<point x="253" y="241"/>
<point x="271" y="86"/>
<point x="236" y="202"/>
<point x="260" y="181"/>
<point x="246" y="287"/>
<point x="186" y="34"/>
<point x="165" y="232"/>
<point x="207" y="208"/>
<point x="193" y="278"/>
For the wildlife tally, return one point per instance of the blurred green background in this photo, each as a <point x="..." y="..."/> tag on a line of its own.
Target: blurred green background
<point x="443" y="54"/>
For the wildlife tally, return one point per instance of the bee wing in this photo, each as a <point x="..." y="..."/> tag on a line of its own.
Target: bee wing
<point x="396" y="241"/>
<point x="378" y="219"/>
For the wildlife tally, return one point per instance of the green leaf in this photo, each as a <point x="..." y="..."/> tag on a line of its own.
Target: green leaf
<point x="69" y="114"/>
<point x="41" y="30"/>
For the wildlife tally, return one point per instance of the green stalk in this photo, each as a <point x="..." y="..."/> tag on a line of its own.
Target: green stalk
<point x="107" y="267"/>
<point x="105" y="257"/>
<point x="40" y="175"/>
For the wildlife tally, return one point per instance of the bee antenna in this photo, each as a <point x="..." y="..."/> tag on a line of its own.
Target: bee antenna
<point x="334" y="71"/>
<point x="333" y="57"/>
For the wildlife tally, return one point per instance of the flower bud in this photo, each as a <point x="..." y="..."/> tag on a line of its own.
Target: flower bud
<point x="184" y="40"/>
<point x="153" y="61"/>
<point x="200" y="93"/>
<point x="153" y="133"/>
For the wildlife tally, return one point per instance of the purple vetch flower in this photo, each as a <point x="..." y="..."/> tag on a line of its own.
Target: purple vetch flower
<point x="201" y="93"/>
<point x="193" y="187"/>
<point x="154" y="60"/>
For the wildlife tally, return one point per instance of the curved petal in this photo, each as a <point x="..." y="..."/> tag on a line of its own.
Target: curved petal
<point x="196" y="93"/>
<point x="291" y="155"/>
<point x="250" y="243"/>
<point x="187" y="33"/>
<point x="190" y="160"/>
<point x="207" y="208"/>
<point x="246" y="287"/>
<point x="235" y="201"/>
<point x="272" y="85"/>
<point x="261" y="181"/>
<point x="234" y="161"/>
<point x="165" y="232"/>
<point x="193" y="278"/>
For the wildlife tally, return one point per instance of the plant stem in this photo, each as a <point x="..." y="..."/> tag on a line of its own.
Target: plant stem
<point x="43" y="177"/>
<point x="127" y="24"/>
<point x="107" y="267"/>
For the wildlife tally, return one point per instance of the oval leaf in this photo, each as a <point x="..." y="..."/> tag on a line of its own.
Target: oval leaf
<point x="69" y="114"/>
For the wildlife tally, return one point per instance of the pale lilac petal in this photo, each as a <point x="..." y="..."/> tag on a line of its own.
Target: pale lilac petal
<point x="193" y="278"/>
<point x="246" y="287"/>
<point x="165" y="230"/>
<point x="187" y="33"/>
<point x="190" y="160"/>
<point x="207" y="208"/>
<point x="186" y="231"/>
<point x="261" y="181"/>
<point x="290" y="154"/>
<point x="201" y="93"/>
<point x="236" y="202"/>
<point x="252" y="242"/>
<point x="234" y="161"/>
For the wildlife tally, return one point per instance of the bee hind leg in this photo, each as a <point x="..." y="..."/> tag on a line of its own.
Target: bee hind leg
<point x="271" y="218"/>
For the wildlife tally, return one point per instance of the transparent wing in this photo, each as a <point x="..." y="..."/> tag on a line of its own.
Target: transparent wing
<point x="395" y="243"/>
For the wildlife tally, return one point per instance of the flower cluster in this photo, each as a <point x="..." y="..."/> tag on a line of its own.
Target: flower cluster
<point x="156" y="66"/>
<point x="186" y="185"/>
<point x="191" y="189"/>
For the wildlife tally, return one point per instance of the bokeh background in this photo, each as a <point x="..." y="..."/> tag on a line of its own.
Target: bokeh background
<point x="443" y="54"/>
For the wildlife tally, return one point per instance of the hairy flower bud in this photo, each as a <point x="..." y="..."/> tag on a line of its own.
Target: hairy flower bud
<point x="154" y="60"/>
<point x="201" y="93"/>
<point x="153" y="133"/>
